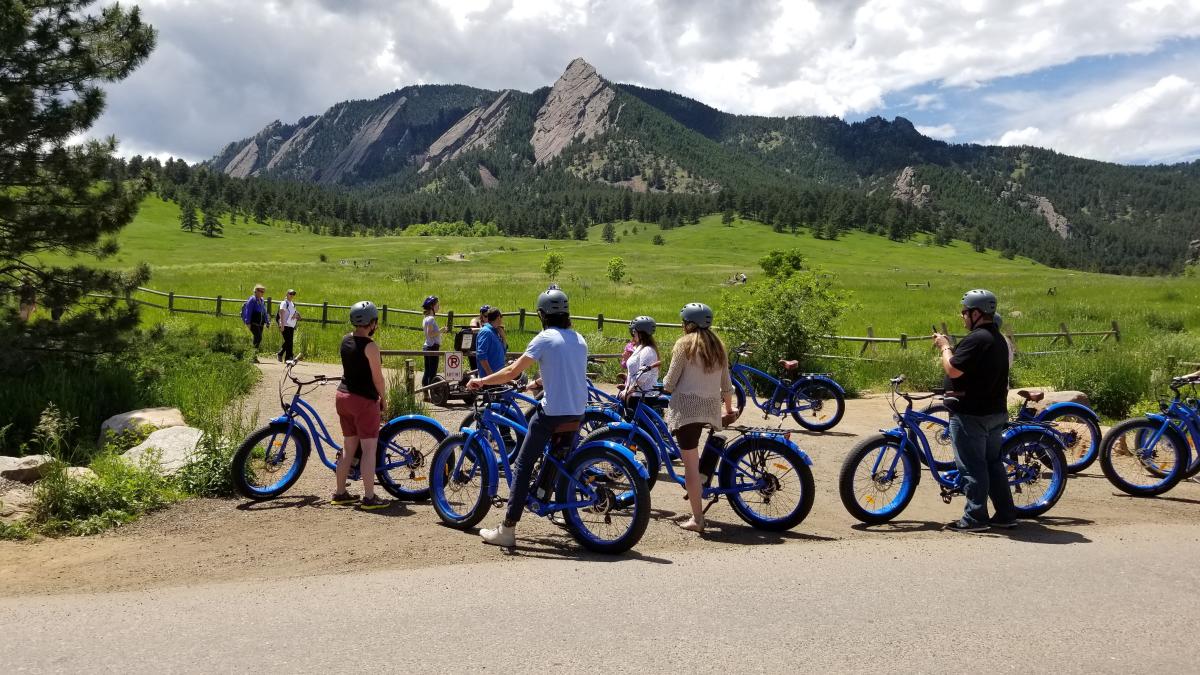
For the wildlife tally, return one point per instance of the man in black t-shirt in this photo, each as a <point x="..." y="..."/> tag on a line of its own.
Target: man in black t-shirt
<point x="977" y="374"/>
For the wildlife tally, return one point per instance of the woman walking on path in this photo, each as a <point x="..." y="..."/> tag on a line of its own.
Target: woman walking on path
<point x="698" y="381"/>
<point x="433" y="340"/>
<point x="360" y="405"/>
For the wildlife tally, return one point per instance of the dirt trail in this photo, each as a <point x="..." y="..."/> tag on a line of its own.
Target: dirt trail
<point x="301" y="534"/>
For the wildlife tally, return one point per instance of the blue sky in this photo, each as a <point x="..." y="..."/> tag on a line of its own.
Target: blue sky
<point x="1114" y="80"/>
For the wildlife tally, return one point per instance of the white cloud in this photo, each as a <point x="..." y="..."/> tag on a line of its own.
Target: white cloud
<point x="942" y="131"/>
<point x="1126" y="121"/>
<point x="225" y="68"/>
<point x="927" y="102"/>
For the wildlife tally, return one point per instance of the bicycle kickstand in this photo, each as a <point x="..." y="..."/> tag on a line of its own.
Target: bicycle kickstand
<point x="710" y="504"/>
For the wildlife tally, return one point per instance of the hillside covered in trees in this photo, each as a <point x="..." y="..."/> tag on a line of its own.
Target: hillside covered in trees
<point x="551" y="162"/>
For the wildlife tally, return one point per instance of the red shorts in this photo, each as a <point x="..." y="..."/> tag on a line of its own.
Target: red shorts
<point x="358" y="415"/>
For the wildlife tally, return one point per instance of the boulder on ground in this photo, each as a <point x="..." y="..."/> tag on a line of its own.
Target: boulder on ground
<point x="1050" y="397"/>
<point x="159" y="418"/>
<point x="24" y="469"/>
<point x="174" y="446"/>
<point x="16" y="504"/>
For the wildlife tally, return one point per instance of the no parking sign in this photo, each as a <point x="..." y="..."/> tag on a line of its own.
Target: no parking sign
<point x="454" y="366"/>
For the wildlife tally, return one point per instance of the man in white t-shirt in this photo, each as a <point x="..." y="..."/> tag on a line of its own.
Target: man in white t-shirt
<point x="287" y="317"/>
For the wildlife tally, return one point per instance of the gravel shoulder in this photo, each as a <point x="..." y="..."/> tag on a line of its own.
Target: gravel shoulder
<point x="300" y="534"/>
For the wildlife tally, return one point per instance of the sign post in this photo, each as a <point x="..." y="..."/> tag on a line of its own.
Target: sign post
<point x="454" y="366"/>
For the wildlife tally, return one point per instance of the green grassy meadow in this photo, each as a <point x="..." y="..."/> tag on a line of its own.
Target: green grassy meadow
<point x="1156" y="315"/>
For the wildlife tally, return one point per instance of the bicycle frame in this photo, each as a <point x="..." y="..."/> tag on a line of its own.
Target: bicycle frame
<point x="781" y="395"/>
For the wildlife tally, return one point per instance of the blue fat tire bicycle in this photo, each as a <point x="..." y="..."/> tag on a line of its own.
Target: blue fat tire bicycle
<point x="814" y="400"/>
<point x="598" y="487"/>
<point x="272" y="458"/>
<point x="880" y="474"/>
<point x="1147" y="456"/>
<point x="766" y="478"/>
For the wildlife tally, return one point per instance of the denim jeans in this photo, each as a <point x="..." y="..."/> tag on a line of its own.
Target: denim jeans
<point x="977" y="442"/>
<point x="541" y="428"/>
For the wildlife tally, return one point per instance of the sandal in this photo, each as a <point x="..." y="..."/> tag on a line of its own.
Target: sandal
<point x="373" y="503"/>
<point x="342" y="498"/>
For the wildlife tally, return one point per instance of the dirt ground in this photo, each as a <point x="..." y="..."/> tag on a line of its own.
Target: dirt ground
<point x="301" y="534"/>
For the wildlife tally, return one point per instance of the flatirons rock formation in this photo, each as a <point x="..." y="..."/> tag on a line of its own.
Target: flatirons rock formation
<point x="577" y="107"/>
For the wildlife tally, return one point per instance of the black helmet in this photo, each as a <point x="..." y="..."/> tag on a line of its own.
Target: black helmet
<point x="553" y="301"/>
<point x="429" y="302"/>
<point x="643" y="323"/>
<point x="697" y="313"/>
<point x="363" y="312"/>
<point x="984" y="301"/>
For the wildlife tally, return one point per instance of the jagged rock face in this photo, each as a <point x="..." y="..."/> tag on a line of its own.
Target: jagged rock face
<point x="905" y="188"/>
<point x="352" y="156"/>
<point x="1054" y="219"/>
<point x="242" y="164"/>
<point x="477" y="129"/>
<point x="297" y="143"/>
<point x="489" y="181"/>
<point x="577" y="106"/>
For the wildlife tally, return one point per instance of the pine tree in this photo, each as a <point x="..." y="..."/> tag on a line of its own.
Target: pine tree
<point x="60" y="198"/>
<point x="610" y="233"/>
<point x="187" y="218"/>
<point x="581" y="232"/>
<point x="212" y="223"/>
<point x="727" y="217"/>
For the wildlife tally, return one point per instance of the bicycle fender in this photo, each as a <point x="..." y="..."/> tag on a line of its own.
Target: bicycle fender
<point x="774" y="438"/>
<point x="824" y="379"/>
<point x="620" y="450"/>
<point x="632" y="430"/>
<point x="424" y="419"/>
<point x="1077" y="408"/>
<point x="494" y="466"/>
<point x="607" y="411"/>
<point x="1014" y="430"/>
<point x="282" y="423"/>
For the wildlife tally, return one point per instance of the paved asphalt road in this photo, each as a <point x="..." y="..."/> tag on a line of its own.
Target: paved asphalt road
<point x="1120" y="599"/>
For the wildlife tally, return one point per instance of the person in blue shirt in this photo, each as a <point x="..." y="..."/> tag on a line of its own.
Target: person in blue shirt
<point x="490" y="348"/>
<point x="561" y="354"/>
<point x="255" y="316"/>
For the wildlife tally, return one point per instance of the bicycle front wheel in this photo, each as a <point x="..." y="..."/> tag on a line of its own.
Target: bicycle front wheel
<point x="269" y="461"/>
<point x="878" y="479"/>
<point x="1037" y="472"/>
<point x="1080" y="436"/>
<point x="402" y="462"/>
<point x="1143" y="457"/>
<point x="773" y="486"/>
<point x="459" y="476"/>
<point x="617" y="501"/>
<point x="817" y="405"/>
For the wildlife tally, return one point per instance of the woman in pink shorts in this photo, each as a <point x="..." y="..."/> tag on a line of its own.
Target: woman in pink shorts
<point x="360" y="405"/>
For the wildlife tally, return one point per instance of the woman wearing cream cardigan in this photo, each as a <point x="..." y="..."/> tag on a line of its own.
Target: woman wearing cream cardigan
<point x="698" y="381"/>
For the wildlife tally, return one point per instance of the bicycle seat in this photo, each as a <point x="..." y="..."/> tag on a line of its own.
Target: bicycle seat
<point x="788" y="364"/>
<point x="567" y="427"/>
<point x="1031" y="396"/>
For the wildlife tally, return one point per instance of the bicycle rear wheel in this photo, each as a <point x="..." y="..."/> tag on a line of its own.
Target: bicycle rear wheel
<point x="1139" y="460"/>
<point x="1080" y="436"/>
<point x="269" y="461"/>
<point x="878" y="479"/>
<point x="402" y="462"/>
<point x="643" y="449"/>
<point x="1037" y="472"/>
<point x="774" y="486"/>
<point x="459" y="477"/>
<point x="817" y="405"/>
<point x="618" y="498"/>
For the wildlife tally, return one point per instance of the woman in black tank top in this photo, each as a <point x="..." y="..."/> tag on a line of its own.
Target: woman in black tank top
<point x="360" y="405"/>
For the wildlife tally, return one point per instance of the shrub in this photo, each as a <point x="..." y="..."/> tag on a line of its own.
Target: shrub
<point x="782" y="263"/>
<point x="658" y="240"/>
<point x="118" y="494"/>
<point x="552" y="264"/>
<point x="616" y="270"/>
<point x="1164" y="323"/>
<point x="399" y="401"/>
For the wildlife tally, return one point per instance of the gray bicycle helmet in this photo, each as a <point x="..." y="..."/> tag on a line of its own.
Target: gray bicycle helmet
<point x="984" y="301"/>
<point x="643" y="323"/>
<point x="697" y="313"/>
<point x="363" y="312"/>
<point x="553" y="301"/>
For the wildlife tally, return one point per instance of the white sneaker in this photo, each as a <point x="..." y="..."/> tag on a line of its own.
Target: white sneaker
<point x="500" y="536"/>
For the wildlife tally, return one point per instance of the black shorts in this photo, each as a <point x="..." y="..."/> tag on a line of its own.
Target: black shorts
<point x="688" y="435"/>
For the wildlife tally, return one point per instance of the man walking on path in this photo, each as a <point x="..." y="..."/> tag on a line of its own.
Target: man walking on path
<point x="977" y="392"/>
<point x="255" y="316"/>
<point x="287" y="317"/>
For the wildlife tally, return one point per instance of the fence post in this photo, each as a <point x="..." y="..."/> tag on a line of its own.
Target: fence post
<point x="449" y="322"/>
<point x="384" y="320"/>
<point x="324" y="312"/>
<point x="868" y="344"/>
<point x="1116" y="331"/>
<point x="600" y="322"/>
<point x="171" y="302"/>
<point x="904" y="341"/>
<point x="269" y="306"/>
<point x="410" y="383"/>
<point x="1066" y="333"/>
<point x="946" y="332"/>
<point x="218" y="305"/>
<point x="521" y="320"/>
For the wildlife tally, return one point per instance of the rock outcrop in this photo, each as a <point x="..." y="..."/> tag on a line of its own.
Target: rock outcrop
<point x="173" y="448"/>
<point x="1054" y="219"/>
<point x="477" y="129"/>
<point x="296" y="144"/>
<point x="159" y="418"/>
<point x="906" y="190"/>
<point x="243" y="163"/>
<point x="577" y="106"/>
<point x="24" y="469"/>
<point x="351" y="157"/>
<point x="489" y="181"/>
